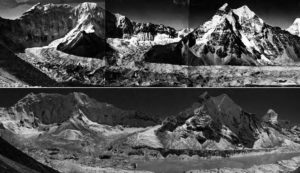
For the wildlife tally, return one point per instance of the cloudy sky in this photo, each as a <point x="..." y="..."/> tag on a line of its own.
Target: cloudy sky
<point x="176" y="13"/>
<point x="166" y="102"/>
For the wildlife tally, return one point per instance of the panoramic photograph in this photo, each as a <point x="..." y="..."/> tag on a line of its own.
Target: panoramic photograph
<point x="143" y="43"/>
<point x="149" y="86"/>
<point x="149" y="130"/>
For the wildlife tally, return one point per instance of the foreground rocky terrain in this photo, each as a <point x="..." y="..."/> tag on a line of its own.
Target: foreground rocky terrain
<point x="86" y="45"/>
<point x="75" y="132"/>
<point x="14" y="161"/>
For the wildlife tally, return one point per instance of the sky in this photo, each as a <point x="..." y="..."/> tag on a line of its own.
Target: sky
<point x="280" y="13"/>
<point x="167" y="102"/>
<point x="176" y="13"/>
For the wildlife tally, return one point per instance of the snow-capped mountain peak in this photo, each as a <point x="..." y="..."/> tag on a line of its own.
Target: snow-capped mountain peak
<point x="295" y="28"/>
<point x="244" y="12"/>
<point x="224" y="8"/>
<point x="271" y="117"/>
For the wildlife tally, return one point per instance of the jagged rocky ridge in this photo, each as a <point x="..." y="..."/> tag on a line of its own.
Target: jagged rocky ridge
<point x="231" y="37"/>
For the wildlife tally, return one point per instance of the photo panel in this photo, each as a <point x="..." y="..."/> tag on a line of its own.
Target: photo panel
<point x="149" y="130"/>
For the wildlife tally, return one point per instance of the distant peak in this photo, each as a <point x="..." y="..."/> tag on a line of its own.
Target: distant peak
<point x="295" y="27"/>
<point x="203" y="97"/>
<point x="271" y="116"/>
<point x="297" y="21"/>
<point x="224" y="8"/>
<point x="88" y="5"/>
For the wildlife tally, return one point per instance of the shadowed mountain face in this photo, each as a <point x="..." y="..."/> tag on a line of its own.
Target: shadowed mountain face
<point x="55" y="108"/>
<point x="13" y="160"/>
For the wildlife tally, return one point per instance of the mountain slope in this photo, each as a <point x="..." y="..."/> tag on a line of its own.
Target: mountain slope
<point x="56" y="108"/>
<point x="217" y="123"/>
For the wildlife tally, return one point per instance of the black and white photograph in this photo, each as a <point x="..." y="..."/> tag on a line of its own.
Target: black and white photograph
<point x="149" y="43"/>
<point x="149" y="86"/>
<point x="150" y="130"/>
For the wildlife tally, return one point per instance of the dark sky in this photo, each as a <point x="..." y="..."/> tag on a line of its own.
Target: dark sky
<point x="275" y="12"/>
<point x="165" y="102"/>
<point x="176" y="13"/>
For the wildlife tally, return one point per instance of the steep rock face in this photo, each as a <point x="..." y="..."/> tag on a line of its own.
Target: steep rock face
<point x="81" y="42"/>
<point x="218" y="123"/>
<point x="148" y="31"/>
<point x="56" y="108"/>
<point x="238" y="37"/>
<point x="295" y="27"/>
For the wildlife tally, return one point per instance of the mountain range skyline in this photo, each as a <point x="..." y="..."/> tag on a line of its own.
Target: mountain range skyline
<point x="176" y="13"/>
<point x="165" y="102"/>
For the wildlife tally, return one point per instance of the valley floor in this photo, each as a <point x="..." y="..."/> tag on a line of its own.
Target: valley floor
<point x="284" y="166"/>
<point x="235" y="76"/>
<point x="282" y="161"/>
<point x="131" y="73"/>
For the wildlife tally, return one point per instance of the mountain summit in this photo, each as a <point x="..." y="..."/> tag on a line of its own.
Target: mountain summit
<point x="295" y="27"/>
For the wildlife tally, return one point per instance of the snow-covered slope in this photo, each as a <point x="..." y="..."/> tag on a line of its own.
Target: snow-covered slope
<point x="295" y="27"/>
